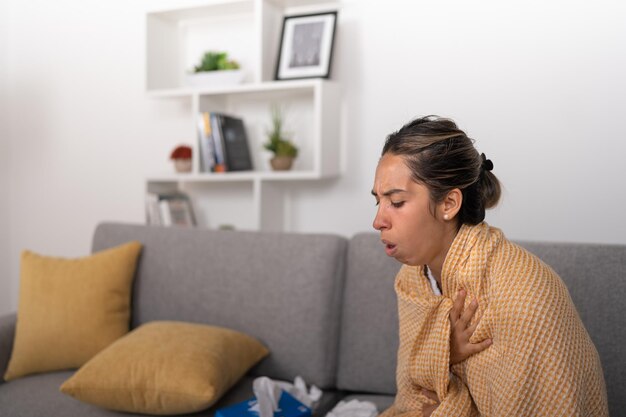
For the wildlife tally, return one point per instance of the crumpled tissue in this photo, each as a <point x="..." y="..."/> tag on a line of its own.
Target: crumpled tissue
<point x="354" y="408"/>
<point x="268" y="391"/>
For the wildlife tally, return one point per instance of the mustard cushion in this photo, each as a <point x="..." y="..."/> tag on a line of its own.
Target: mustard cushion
<point x="70" y="309"/>
<point x="166" y="367"/>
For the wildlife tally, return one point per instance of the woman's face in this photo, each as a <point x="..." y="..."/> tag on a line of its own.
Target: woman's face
<point x="406" y="217"/>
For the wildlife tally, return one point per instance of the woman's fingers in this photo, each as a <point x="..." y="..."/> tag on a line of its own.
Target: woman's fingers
<point x="457" y="307"/>
<point x="475" y="348"/>
<point x="472" y="327"/>
<point x="468" y="314"/>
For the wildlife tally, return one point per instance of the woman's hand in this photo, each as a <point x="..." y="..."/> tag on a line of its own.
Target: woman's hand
<point x="427" y="409"/>
<point x="461" y="330"/>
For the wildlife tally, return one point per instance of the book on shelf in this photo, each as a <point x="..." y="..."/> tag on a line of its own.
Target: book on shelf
<point x="235" y="143"/>
<point x="223" y="143"/>
<point x="220" y="162"/>
<point x="205" y="143"/>
<point x="169" y="209"/>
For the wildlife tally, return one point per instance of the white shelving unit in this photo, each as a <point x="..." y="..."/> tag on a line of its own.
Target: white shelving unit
<point x="178" y="33"/>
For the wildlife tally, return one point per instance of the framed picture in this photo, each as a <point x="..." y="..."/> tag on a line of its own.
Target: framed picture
<point x="306" y="46"/>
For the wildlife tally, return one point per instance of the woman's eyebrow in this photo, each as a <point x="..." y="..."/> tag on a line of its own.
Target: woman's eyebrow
<point x="390" y="192"/>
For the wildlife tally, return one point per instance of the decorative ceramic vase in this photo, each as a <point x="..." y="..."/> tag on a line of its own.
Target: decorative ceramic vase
<point x="281" y="163"/>
<point x="182" y="165"/>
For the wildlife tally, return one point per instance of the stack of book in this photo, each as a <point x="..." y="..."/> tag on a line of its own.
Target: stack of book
<point x="169" y="210"/>
<point x="223" y="143"/>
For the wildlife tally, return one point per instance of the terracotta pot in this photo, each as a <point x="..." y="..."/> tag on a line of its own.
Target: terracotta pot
<point x="182" y="165"/>
<point x="281" y="163"/>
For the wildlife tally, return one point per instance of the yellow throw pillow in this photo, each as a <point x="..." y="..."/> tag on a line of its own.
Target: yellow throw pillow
<point x="70" y="309"/>
<point x="166" y="367"/>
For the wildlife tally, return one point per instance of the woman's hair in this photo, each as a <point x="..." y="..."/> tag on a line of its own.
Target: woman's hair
<point x="442" y="157"/>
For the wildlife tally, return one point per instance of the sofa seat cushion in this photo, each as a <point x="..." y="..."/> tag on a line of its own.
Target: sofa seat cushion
<point x="38" y="395"/>
<point x="166" y="368"/>
<point x="70" y="309"/>
<point x="17" y="398"/>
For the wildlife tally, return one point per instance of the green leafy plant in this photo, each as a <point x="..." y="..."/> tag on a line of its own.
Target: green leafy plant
<point x="215" y="61"/>
<point x="276" y="140"/>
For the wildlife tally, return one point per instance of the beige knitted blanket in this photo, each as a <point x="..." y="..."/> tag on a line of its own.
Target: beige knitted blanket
<point x="542" y="361"/>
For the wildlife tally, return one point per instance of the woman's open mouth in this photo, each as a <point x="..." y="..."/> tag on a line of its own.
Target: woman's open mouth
<point x="390" y="248"/>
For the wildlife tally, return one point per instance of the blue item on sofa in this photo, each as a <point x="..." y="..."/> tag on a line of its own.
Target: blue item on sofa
<point x="288" y="406"/>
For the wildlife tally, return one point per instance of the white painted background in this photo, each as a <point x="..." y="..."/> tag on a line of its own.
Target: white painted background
<point x="6" y="281"/>
<point x="540" y="85"/>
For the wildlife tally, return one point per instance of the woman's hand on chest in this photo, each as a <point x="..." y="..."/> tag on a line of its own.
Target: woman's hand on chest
<point x="462" y="329"/>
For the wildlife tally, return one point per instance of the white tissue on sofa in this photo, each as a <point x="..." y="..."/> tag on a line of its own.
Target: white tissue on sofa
<point x="354" y="408"/>
<point x="268" y="391"/>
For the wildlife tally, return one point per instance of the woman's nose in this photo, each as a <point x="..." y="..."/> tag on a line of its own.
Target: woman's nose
<point x="380" y="222"/>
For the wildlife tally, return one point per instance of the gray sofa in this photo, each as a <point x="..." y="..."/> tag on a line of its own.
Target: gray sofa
<point x="323" y="305"/>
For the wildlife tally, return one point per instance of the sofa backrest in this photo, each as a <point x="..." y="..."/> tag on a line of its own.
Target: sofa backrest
<point x="595" y="275"/>
<point x="369" y="331"/>
<point x="284" y="289"/>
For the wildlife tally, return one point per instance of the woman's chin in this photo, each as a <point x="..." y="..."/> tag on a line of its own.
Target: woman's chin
<point x="406" y="261"/>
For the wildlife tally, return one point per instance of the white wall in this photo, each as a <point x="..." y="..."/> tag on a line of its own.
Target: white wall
<point x="6" y="288"/>
<point x="539" y="85"/>
<point x="83" y="130"/>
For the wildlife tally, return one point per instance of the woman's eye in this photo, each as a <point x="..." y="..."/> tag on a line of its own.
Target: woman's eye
<point x="397" y="205"/>
<point x="377" y="202"/>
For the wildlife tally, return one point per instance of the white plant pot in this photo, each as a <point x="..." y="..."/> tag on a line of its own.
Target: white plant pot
<point x="182" y="165"/>
<point x="215" y="78"/>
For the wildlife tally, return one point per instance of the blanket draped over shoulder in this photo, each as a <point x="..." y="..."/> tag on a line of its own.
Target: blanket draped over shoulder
<point x="542" y="361"/>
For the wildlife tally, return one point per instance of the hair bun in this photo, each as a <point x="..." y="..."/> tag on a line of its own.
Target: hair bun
<point x="487" y="164"/>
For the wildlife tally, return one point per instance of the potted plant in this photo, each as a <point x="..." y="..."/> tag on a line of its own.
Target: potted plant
<point x="181" y="155"/>
<point x="283" y="149"/>
<point x="215" y="68"/>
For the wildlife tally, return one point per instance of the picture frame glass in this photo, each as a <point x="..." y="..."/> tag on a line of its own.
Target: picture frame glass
<point x="306" y="46"/>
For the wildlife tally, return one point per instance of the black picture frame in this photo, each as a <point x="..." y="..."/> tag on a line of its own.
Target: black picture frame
<point x="306" y="46"/>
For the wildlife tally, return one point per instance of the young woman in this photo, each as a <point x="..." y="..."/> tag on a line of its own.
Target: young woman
<point x="486" y="328"/>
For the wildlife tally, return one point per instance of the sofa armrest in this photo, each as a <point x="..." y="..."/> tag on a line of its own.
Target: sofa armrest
<point x="7" y="333"/>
